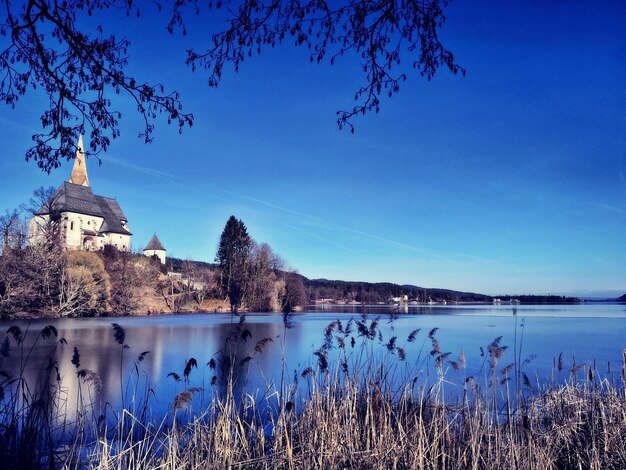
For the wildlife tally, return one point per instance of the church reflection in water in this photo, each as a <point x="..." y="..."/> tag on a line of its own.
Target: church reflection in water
<point x="111" y="370"/>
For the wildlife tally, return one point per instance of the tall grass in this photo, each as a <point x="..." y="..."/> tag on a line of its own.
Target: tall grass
<point x="362" y="403"/>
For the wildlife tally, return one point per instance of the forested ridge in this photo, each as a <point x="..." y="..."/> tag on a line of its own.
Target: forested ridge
<point x="383" y="292"/>
<point x="375" y="292"/>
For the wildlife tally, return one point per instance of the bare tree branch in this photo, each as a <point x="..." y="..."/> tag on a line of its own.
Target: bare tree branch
<point x="379" y="32"/>
<point x="43" y="49"/>
<point x="79" y="73"/>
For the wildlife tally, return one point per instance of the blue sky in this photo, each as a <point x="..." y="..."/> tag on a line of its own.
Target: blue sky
<point x="510" y="180"/>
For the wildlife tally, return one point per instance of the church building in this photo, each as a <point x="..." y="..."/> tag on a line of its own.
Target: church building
<point x="87" y="221"/>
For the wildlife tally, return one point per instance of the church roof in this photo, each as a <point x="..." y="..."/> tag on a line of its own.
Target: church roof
<point x="112" y="221"/>
<point x="72" y="197"/>
<point x="115" y="207"/>
<point x="154" y="244"/>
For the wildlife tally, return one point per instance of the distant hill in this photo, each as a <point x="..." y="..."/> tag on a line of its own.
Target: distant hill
<point x="622" y="298"/>
<point x="541" y="299"/>
<point x="369" y="292"/>
<point x="176" y="264"/>
<point x="375" y="292"/>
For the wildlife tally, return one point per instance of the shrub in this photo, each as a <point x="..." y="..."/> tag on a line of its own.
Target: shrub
<point x="85" y="287"/>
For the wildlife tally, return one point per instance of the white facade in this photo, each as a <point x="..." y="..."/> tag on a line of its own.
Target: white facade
<point x="85" y="221"/>
<point x="155" y="247"/>
<point x="79" y="232"/>
<point x="159" y="253"/>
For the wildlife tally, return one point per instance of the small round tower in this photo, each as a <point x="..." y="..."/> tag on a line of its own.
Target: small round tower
<point x="155" y="247"/>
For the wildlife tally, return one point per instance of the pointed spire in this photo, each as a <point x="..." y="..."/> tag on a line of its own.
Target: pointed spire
<point x="79" y="172"/>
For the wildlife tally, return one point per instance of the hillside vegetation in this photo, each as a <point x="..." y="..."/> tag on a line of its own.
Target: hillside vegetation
<point x="43" y="279"/>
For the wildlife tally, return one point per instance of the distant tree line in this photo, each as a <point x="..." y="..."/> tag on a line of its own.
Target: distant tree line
<point x="541" y="299"/>
<point x="372" y="293"/>
<point x="179" y="265"/>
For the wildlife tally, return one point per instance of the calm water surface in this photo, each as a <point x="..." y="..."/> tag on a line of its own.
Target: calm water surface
<point x="594" y="333"/>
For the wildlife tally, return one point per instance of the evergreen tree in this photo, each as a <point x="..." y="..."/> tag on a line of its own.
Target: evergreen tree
<point x="232" y="257"/>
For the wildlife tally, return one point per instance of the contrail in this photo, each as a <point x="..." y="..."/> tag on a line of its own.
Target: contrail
<point x="323" y="239"/>
<point x="348" y="229"/>
<point x="143" y="169"/>
<point x="610" y="208"/>
<point x="330" y="225"/>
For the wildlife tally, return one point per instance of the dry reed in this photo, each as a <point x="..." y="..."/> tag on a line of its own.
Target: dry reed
<point x="343" y="412"/>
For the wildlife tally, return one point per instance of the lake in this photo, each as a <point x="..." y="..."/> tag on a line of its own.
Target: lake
<point x="592" y="334"/>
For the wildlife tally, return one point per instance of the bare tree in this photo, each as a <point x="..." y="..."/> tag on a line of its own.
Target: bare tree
<point x="261" y="278"/>
<point x="46" y="216"/>
<point x="45" y="254"/>
<point x="380" y="33"/>
<point x="84" y="285"/>
<point x="14" y="282"/>
<point x="206" y="285"/>
<point x="12" y="234"/>
<point x="128" y="279"/>
<point x="188" y="279"/>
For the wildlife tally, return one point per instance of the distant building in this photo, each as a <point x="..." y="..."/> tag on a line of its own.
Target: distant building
<point x="88" y="221"/>
<point x="155" y="248"/>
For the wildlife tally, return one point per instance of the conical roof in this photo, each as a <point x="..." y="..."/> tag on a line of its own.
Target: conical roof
<point x="79" y="172"/>
<point x="154" y="244"/>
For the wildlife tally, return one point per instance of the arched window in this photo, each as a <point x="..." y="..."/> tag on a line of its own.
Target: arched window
<point x="72" y="225"/>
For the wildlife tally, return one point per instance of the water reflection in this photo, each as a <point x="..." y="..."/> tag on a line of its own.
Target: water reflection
<point x="594" y="334"/>
<point x="169" y="345"/>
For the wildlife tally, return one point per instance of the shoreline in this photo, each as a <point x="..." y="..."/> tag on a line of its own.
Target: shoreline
<point x="215" y="307"/>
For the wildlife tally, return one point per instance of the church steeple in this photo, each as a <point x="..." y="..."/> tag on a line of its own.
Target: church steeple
<point x="79" y="172"/>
